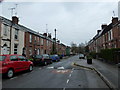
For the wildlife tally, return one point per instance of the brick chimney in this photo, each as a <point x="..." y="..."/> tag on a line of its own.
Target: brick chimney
<point x="98" y="31"/>
<point x="49" y="35"/>
<point x="45" y="34"/>
<point x="53" y="38"/>
<point x="114" y="20"/>
<point x="58" y="41"/>
<point x="103" y="26"/>
<point x="15" y="20"/>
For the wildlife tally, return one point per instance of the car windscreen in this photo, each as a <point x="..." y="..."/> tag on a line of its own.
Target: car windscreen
<point x="81" y="55"/>
<point x="46" y="56"/>
<point x="56" y="55"/>
<point x="38" y="56"/>
<point x="2" y="58"/>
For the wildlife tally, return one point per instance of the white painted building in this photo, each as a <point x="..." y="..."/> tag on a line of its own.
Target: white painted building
<point x="11" y="36"/>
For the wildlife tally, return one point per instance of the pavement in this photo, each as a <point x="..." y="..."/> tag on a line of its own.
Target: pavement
<point x="62" y="75"/>
<point x="107" y="71"/>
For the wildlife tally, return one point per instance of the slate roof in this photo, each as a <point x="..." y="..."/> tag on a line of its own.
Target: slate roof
<point x="21" y="27"/>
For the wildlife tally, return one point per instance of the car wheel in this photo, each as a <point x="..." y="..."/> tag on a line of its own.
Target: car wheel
<point x="30" y="68"/>
<point x="10" y="73"/>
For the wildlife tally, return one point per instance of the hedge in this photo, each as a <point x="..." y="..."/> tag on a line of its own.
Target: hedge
<point x="110" y="54"/>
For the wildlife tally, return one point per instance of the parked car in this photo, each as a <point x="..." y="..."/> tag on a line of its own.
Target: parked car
<point x="47" y="58"/>
<point x="14" y="63"/>
<point x="38" y="60"/>
<point x="41" y="59"/>
<point x="81" y="56"/>
<point x="61" y="56"/>
<point x="55" y="58"/>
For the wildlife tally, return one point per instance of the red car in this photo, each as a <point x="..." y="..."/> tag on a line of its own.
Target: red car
<point x="11" y="64"/>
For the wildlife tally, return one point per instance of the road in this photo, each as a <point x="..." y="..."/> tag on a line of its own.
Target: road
<point x="62" y="74"/>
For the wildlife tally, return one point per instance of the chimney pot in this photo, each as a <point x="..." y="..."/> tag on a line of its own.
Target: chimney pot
<point x="49" y="35"/>
<point x="45" y="34"/>
<point x="114" y="20"/>
<point x="15" y="20"/>
<point x="103" y="26"/>
<point x="98" y="31"/>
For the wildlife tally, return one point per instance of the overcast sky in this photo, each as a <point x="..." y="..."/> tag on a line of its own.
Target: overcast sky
<point x="75" y="21"/>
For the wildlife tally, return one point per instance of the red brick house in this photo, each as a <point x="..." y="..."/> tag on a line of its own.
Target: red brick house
<point x="107" y="37"/>
<point x="30" y="42"/>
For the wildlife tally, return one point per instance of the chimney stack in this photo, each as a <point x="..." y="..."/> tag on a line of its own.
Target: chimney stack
<point x="58" y="41"/>
<point x="53" y="38"/>
<point x="49" y="35"/>
<point x="114" y="20"/>
<point x="98" y="31"/>
<point x="103" y="26"/>
<point x="45" y="34"/>
<point x="15" y="20"/>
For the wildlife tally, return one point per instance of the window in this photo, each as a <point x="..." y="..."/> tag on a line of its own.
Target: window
<point x="5" y="30"/>
<point x="21" y="58"/>
<point x="13" y="58"/>
<point x="16" y="34"/>
<point x="42" y="51"/>
<point x="38" y="39"/>
<point x="30" y="51"/>
<point x="41" y="41"/>
<point x="110" y="35"/>
<point x="2" y="58"/>
<point x="47" y="43"/>
<point x="30" y="38"/>
<point x="38" y="51"/>
<point x="15" y="48"/>
<point x="35" y="39"/>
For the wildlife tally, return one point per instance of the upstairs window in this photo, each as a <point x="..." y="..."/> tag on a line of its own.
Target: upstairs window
<point x="5" y="31"/>
<point x="41" y="41"/>
<point x="110" y="37"/>
<point x="30" y="40"/>
<point x="35" y="39"/>
<point x="16" y="34"/>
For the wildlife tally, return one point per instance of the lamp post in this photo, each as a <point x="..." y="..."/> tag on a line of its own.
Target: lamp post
<point x="55" y="41"/>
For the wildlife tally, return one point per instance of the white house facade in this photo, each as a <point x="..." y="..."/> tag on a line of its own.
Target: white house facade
<point x="11" y="37"/>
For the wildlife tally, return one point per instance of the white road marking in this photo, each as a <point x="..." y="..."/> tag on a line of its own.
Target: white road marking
<point x="13" y="78"/>
<point x="70" y="75"/>
<point x="72" y="68"/>
<point x="60" y="68"/>
<point x="68" y="81"/>
<point x="63" y="88"/>
<point x="71" y="71"/>
<point x="50" y="67"/>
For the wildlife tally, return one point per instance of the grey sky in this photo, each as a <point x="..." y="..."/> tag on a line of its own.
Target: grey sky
<point x="75" y="21"/>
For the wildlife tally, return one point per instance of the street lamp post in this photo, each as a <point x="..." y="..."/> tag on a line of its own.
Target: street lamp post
<point x="55" y="41"/>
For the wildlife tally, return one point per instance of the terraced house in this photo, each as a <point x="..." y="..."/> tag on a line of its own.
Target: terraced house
<point x="18" y="39"/>
<point x="11" y="36"/>
<point x="107" y="37"/>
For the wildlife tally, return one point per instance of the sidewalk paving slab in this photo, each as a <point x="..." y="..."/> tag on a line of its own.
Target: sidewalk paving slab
<point x="110" y="72"/>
